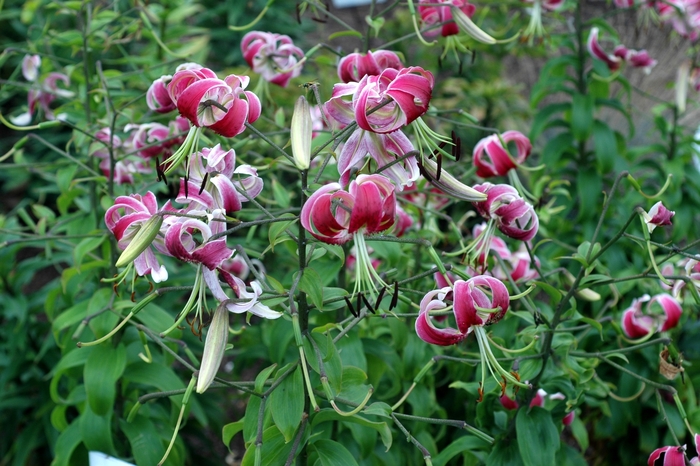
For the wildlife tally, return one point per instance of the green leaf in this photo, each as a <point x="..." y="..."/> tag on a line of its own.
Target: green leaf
<point x="540" y="121"/>
<point x="274" y="449"/>
<point x="250" y="420"/>
<point x="538" y="437"/>
<point x="595" y="324"/>
<point x="311" y="284"/>
<point x="504" y="453"/>
<point x="582" y="116"/>
<point x="464" y="443"/>
<point x="287" y="404"/>
<point x="96" y="431"/>
<point x="84" y="247"/>
<point x="556" y="147"/>
<point x="605" y="146"/>
<point x="332" y="453"/>
<point x="262" y="378"/>
<point x="66" y="443"/>
<point x="328" y="414"/>
<point x="590" y="186"/>
<point x="229" y="431"/>
<point x="277" y="229"/>
<point x="280" y="193"/>
<point x="102" y="369"/>
<point x="146" y="445"/>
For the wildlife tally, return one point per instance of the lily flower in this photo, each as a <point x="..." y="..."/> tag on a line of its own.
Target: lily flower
<point x="491" y="156"/>
<point x="597" y="51"/>
<point x="335" y="216"/>
<point x="31" y="64"/>
<point x="475" y="303"/>
<point x="403" y="95"/>
<point x="158" y="98"/>
<point x="514" y="216"/>
<point x="636" y="59"/>
<point x="657" y="216"/>
<point x="214" y="181"/>
<point x="125" y="168"/>
<point x="125" y="219"/>
<point x="355" y="66"/>
<point x="432" y="15"/>
<point x="43" y="96"/>
<point x="273" y="56"/>
<point x="384" y="149"/>
<point x="637" y="323"/>
<point x="673" y="455"/>
<point x="222" y="105"/>
<point x="535" y="29"/>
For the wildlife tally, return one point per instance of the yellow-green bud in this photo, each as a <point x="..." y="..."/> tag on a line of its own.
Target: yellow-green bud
<point x="301" y="133"/>
<point x="214" y="347"/>
<point x="143" y="238"/>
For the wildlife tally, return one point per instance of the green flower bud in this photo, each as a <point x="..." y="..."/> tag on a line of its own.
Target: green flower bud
<point x="143" y="238"/>
<point x="214" y="347"/>
<point x="301" y="133"/>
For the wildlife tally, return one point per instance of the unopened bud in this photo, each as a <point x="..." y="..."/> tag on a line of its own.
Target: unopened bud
<point x="143" y="238"/>
<point x="467" y="25"/>
<point x="301" y="133"/>
<point x="214" y="347"/>
<point x="682" y="86"/>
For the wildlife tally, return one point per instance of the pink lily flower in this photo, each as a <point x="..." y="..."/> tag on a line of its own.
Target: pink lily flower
<point x="513" y="215"/>
<point x="684" y="16"/>
<point x="673" y="455"/>
<point x="212" y="186"/>
<point x="636" y="59"/>
<point x="432" y="15"/>
<point x="273" y="56"/>
<point x="333" y="215"/>
<point x="125" y="218"/>
<point x="624" y="3"/>
<point x="180" y="240"/>
<point x="491" y="158"/>
<point x="158" y="98"/>
<point x="201" y="98"/>
<point x="408" y="92"/>
<point x="31" y="64"/>
<point x="597" y="51"/>
<point x="477" y="302"/>
<point x="658" y="216"/>
<point x="509" y="403"/>
<point x="384" y="149"/>
<point x="637" y="324"/>
<point x="146" y="137"/>
<point x="355" y="66"/>
<point x="43" y="97"/>
<point x="125" y="168"/>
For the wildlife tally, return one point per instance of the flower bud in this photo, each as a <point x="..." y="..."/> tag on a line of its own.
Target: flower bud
<point x="214" y="347"/>
<point x="145" y="236"/>
<point x="301" y="133"/>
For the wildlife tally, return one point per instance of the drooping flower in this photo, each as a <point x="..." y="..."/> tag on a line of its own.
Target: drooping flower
<point x="477" y="302"/>
<point x="597" y="51"/>
<point x="395" y="98"/>
<point x="491" y="156"/>
<point x="158" y="98"/>
<point x="673" y="455"/>
<point x="512" y="214"/>
<point x="355" y="66"/>
<point x="635" y="59"/>
<point x="384" y="149"/>
<point x="658" y="216"/>
<point x="125" y="219"/>
<point x="222" y="105"/>
<point x="334" y="216"/>
<point x="31" y="65"/>
<point x="535" y="29"/>
<point x="273" y="56"/>
<point x="43" y="94"/>
<point x="432" y="15"/>
<point x="125" y="168"/>
<point x="214" y="181"/>
<point x="637" y="323"/>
